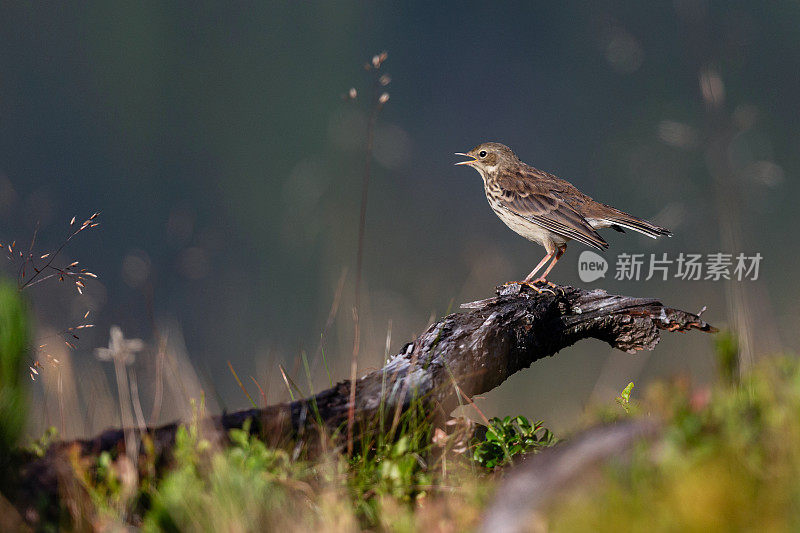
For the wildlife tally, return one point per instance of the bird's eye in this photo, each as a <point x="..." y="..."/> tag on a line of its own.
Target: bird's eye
<point x="482" y="154"/>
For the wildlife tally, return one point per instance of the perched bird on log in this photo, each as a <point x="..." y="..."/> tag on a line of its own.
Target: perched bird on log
<point x="544" y="208"/>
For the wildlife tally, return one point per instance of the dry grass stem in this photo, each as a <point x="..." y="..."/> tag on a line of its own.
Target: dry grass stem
<point x="377" y="104"/>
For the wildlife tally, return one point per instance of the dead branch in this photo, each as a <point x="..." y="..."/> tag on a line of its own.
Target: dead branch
<point x="477" y="349"/>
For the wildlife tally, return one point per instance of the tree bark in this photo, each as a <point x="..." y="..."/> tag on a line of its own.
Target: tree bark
<point x="467" y="353"/>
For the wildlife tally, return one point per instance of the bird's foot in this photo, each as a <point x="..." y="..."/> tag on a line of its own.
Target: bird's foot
<point x="542" y="280"/>
<point x="539" y="290"/>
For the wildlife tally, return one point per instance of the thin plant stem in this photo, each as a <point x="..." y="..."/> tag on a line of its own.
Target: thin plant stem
<point x="337" y="297"/>
<point x="383" y="378"/>
<point x="61" y="399"/>
<point x="260" y="391"/>
<point x="137" y="404"/>
<point x="362" y="223"/>
<point x="325" y="361"/>
<point x="290" y="383"/>
<point x="52" y="256"/>
<point x="308" y="373"/>
<point x="241" y="385"/>
<point x="124" y="409"/>
<point x="158" y="394"/>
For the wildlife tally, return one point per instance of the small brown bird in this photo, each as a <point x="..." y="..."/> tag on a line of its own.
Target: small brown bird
<point x="544" y="208"/>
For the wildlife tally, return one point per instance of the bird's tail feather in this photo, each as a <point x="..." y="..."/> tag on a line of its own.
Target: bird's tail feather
<point x="624" y="220"/>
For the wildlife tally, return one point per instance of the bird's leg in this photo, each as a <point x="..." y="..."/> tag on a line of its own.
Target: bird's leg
<point x="539" y="266"/>
<point x="532" y="284"/>
<point x="559" y="253"/>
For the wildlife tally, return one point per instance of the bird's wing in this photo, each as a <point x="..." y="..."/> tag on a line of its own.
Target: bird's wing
<point x="544" y="206"/>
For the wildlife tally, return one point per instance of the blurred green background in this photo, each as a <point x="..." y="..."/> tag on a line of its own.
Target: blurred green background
<point x="215" y="139"/>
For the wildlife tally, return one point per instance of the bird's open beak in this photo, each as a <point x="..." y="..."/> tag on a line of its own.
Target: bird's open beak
<point x="469" y="162"/>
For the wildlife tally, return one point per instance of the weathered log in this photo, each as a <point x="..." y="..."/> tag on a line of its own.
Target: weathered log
<point x="468" y="353"/>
